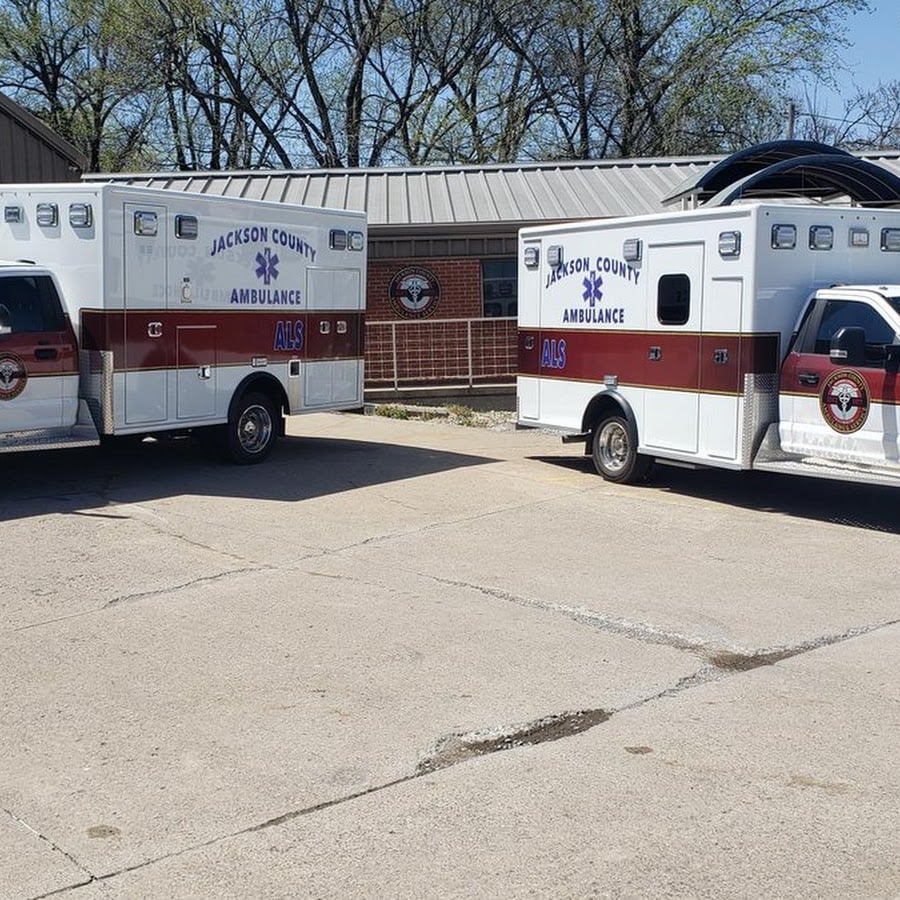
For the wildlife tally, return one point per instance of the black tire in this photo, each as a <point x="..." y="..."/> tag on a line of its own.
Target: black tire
<point x="121" y="444"/>
<point x="614" y="452"/>
<point x="252" y="429"/>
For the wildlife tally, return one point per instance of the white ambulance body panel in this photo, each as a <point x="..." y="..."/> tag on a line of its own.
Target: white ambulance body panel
<point x="684" y="319"/>
<point x="190" y="298"/>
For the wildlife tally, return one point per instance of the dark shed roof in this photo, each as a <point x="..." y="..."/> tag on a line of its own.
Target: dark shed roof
<point x="818" y="176"/>
<point x="31" y="152"/>
<point x="747" y="162"/>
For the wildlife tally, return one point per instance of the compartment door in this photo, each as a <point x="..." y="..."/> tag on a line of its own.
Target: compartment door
<point x="146" y="342"/>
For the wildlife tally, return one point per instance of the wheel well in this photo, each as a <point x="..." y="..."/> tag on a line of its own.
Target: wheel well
<point x="263" y="383"/>
<point x="604" y="405"/>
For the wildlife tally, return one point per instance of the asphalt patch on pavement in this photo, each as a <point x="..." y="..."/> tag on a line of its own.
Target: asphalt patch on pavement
<point x="456" y="748"/>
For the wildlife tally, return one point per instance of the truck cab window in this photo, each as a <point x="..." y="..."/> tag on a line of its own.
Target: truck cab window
<point x="673" y="299"/>
<point x="31" y="303"/>
<point x="840" y="313"/>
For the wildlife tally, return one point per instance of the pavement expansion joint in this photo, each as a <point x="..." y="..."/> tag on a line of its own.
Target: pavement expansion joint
<point x="175" y="588"/>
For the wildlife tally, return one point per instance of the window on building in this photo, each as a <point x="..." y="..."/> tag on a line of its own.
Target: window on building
<point x="499" y="287"/>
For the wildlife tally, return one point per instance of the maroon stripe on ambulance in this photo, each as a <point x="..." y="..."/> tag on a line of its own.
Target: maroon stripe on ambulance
<point x="234" y="336"/>
<point x="715" y="363"/>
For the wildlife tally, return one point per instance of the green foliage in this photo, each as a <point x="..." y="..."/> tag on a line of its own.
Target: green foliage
<point x="222" y="83"/>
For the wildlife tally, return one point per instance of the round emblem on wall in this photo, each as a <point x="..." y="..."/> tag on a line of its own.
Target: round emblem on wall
<point x="415" y="292"/>
<point x="845" y="401"/>
<point x="13" y="376"/>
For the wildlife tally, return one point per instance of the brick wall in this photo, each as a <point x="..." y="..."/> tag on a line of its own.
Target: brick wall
<point x="430" y="351"/>
<point x="460" y="281"/>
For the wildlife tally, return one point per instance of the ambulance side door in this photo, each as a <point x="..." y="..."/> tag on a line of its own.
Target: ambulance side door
<point x="840" y="409"/>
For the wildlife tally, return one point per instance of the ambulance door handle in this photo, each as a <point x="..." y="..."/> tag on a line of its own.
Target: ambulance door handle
<point x="807" y="378"/>
<point x="154" y="329"/>
<point x="720" y="356"/>
<point x="204" y="372"/>
<point x="46" y="353"/>
<point x="655" y="354"/>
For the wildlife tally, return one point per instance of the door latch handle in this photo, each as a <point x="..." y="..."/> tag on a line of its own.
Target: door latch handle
<point x="655" y="354"/>
<point x="807" y="378"/>
<point x="46" y="353"/>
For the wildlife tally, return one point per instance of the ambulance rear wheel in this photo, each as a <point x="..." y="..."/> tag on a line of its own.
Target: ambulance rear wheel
<point x="251" y="429"/>
<point x="614" y="452"/>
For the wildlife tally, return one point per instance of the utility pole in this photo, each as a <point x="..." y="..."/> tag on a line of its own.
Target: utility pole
<point x="791" y="116"/>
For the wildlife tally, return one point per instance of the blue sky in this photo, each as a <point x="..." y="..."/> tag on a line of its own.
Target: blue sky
<point x="873" y="57"/>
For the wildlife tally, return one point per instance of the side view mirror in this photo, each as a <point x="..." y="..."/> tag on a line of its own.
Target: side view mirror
<point x="5" y="320"/>
<point x="848" y="346"/>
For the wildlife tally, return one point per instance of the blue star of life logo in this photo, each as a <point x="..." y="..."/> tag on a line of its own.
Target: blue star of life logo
<point x="267" y="265"/>
<point x="592" y="293"/>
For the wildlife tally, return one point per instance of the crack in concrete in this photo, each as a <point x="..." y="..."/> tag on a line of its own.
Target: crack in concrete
<point x="54" y="847"/>
<point x="729" y="659"/>
<point x="177" y="588"/>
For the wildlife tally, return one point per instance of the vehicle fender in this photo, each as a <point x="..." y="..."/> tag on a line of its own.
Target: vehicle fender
<point x="606" y="403"/>
<point x="265" y="383"/>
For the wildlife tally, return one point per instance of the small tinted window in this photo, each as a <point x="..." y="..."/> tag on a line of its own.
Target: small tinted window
<point x="840" y="313"/>
<point x="31" y="303"/>
<point x="673" y="299"/>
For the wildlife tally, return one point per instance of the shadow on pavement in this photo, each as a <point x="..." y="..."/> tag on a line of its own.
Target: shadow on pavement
<point x="856" y="505"/>
<point x="62" y="481"/>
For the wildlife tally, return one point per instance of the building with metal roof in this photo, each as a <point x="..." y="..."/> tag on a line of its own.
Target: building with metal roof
<point x="450" y="234"/>
<point x="31" y="152"/>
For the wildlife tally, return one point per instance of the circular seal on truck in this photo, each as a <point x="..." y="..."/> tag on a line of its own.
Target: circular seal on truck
<point x="845" y="401"/>
<point x="13" y="376"/>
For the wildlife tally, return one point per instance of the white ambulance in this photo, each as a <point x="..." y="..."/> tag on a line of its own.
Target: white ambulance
<point x="126" y="312"/>
<point x="756" y="336"/>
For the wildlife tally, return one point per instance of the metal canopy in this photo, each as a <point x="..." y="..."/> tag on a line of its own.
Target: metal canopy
<point x="819" y="176"/>
<point x="744" y="163"/>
